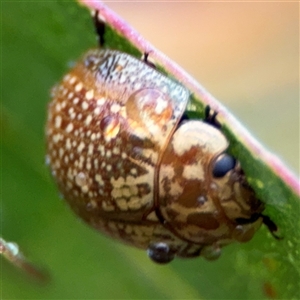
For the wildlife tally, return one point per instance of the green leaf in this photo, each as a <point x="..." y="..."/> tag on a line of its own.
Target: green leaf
<point x="39" y="42"/>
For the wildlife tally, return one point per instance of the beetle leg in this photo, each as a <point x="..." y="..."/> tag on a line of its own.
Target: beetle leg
<point x="271" y="226"/>
<point x="147" y="61"/>
<point x="210" y="117"/>
<point x="184" y="118"/>
<point x="99" y="27"/>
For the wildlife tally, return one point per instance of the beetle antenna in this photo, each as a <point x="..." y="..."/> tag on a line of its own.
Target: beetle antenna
<point x="99" y="27"/>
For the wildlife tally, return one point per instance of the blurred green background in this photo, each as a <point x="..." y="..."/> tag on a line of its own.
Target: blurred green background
<point x="246" y="54"/>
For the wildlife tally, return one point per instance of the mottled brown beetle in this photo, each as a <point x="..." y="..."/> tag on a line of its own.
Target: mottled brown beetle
<point x="132" y="168"/>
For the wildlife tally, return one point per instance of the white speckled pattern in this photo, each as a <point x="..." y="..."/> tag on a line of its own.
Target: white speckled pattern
<point x="128" y="168"/>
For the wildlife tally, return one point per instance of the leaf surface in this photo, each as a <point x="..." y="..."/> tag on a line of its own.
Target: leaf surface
<point x="40" y="41"/>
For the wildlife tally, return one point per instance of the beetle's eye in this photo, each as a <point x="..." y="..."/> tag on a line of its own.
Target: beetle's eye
<point x="160" y="253"/>
<point x="223" y="164"/>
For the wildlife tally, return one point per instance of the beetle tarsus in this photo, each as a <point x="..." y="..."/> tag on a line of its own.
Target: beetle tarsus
<point x="147" y="61"/>
<point x="210" y="117"/>
<point x="99" y="27"/>
<point x="271" y="226"/>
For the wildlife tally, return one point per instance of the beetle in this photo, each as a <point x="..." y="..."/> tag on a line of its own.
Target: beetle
<point x="129" y="162"/>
